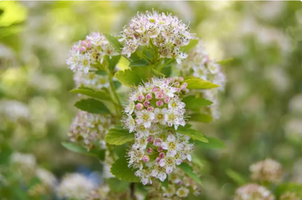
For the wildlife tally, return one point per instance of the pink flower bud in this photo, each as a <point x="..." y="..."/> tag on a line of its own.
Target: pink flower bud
<point x="140" y="97"/>
<point x="146" y="158"/>
<point x="161" y="154"/>
<point x="158" y="159"/>
<point x="159" y="95"/>
<point x="160" y="149"/>
<point x="82" y="49"/>
<point x="150" y="139"/>
<point x="146" y="103"/>
<point x="150" y="108"/>
<point x="139" y="106"/>
<point x="154" y="89"/>
<point x="176" y="84"/>
<point x="167" y="99"/>
<point x="75" y="48"/>
<point x="159" y="103"/>
<point x="181" y="79"/>
<point x="157" y="142"/>
<point x="149" y="96"/>
<point x="83" y="43"/>
<point x="183" y="87"/>
<point x="88" y="45"/>
<point x="149" y="150"/>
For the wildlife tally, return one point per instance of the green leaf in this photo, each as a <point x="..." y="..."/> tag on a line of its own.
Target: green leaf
<point x="288" y="187"/>
<point x="79" y="149"/>
<point x="117" y="185"/>
<point x="190" y="46"/>
<point x="157" y="73"/>
<point x="139" y="63"/>
<point x="114" y="42"/>
<point x="92" y="106"/>
<point x="91" y="93"/>
<point x="128" y="78"/>
<point x="236" y="177"/>
<point x="198" y="117"/>
<point x="197" y="83"/>
<point x="101" y="72"/>
<point x="165" y="183"/>
<point x="121" y="171"/>
<point x="194" y="134"/>
<point x="213" y="143"/>
<point x="189" y="171"/>
<point x="113" y="61"/>
<point x="193" y="103"/>
<point x="224" y="62"/>
<point x="117" y="84"/>
<point x="118" y="136"/>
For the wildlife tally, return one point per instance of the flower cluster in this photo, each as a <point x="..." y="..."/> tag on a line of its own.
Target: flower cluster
<point x="89" y="128"/>
<point x="151" y="110"/>
<point x="166" y="32"/>
<point x="200" y="65"/>
<point x="266" y="170"/>
<point x="104" y="193"/>
<point x="179" y="187"/>
<point x="75" y="186"/>
<point x="25" y="164"/>
<point x="289" y="196"/>
<point x="46" y="185"/>
<point x="253" y="192"/>
<point x="87" y="52"/>
<point x="91" y="80"/>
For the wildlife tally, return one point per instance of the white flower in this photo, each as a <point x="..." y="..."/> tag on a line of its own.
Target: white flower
<point x="145" y="117"/>
<point x="159" y="115"/>
<point x="182" y="192"/>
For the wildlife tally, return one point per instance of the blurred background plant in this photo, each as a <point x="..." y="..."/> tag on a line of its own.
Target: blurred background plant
<point x="261" y="113"/>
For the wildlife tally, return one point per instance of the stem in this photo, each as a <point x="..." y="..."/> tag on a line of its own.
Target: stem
<point x="132" y="189"/>
<point x="165" y="64"/>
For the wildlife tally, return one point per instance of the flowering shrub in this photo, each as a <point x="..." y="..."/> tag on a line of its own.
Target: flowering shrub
<point x="270" y="185"/>
<point x="153" y="126"/>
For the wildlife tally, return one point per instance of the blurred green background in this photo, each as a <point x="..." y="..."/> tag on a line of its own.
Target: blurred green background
<point x="261" y="109"/>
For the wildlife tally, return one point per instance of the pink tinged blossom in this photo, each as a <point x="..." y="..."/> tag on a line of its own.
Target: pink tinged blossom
<point x="159" y="103"/>
<point x="146" y="103"/>
<point x="160" y="149"/>
<point x="176" y="84"/>
<point x="158" y="159"/>
<point x="181" y="79"/>
<point x="149" y="96"/>
<point x="167" y="99"/>
<point x="178" y="161"/>
<point x="150" y="108"/>
<point x="154" y="173"/>
<point x="146" y="158"/>
<point x="162" y="162"/>
<point x="160" y="94"/>
<point x="139" y="106"/>
<point x="162" y="176"/>
<point x="169" y="170"/>
<point x="149" y="150"/>
<point x="157" y="142"/>
<point x="155" y="89"/>
<point x="140" y="98"/>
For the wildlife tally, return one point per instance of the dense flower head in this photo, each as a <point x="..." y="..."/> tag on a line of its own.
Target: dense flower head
<point x="253" y="192"/>
<point x="75" y="186"/>
<point x="154" y="112"/>
<point x="89" y="128"/>
<point x="166" y="32"/>
<point x="156" y="103"/>
<point x="46" y="185"/>
<point x="24" y="163"/>
<point x="87" y="52"/>
<point x="179" y="187"/>
<point x="266" y="170"/>
<point x="289" y="196"/>
<point x="91" y="80"/>
<point x="200" y="65"/>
